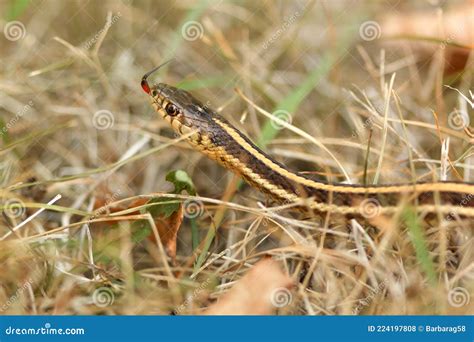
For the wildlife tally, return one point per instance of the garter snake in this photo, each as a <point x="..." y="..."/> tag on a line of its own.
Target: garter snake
<point x="211" y="134"/>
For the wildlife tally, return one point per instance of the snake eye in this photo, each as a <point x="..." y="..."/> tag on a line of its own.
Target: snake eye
<point x="171" y="109"/>
<point x="154" y="93"/>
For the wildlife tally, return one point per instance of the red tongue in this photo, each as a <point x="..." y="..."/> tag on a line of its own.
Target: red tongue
<point x="145" y="86"/>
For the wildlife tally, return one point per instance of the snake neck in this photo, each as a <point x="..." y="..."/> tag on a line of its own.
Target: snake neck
<point x="233" y="150"/>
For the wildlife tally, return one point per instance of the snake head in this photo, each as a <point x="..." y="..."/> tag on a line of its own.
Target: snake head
<point x="186" y="115"/>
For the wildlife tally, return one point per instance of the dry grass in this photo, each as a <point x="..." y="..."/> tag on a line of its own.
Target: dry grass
<point x="79" y="126"/>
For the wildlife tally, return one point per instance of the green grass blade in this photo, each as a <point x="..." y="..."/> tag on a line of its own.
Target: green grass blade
<point x="209" y="82"/>
<point x="211" y="233"/>
<point x="4" y="132"/>
<point x="178" y="39"/>
<point x="16" y="9"/>
<point x="419" y="242"/>
<point x="293" y="100"/>
<point x="34" y="136"/>
<point x="194" y="234"/>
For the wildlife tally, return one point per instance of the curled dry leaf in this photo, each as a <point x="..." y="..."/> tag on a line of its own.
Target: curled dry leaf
<point x="168" y="228"/>
<point x="167" y="214"/>
<point x="167" y="223"/>
<point x="263" y="290"/>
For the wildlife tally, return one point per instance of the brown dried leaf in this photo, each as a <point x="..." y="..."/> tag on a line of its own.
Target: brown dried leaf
<point x="168" y="228"/>
<point x="453" y="26"/>
<point x="452" y="30"/>
<point x="261" y="291"/>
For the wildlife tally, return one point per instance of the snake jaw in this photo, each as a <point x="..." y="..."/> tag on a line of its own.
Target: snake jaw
<point x="180" y="127"/>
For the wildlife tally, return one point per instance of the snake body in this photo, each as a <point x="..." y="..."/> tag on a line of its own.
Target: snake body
<point x="211" y="134"/>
